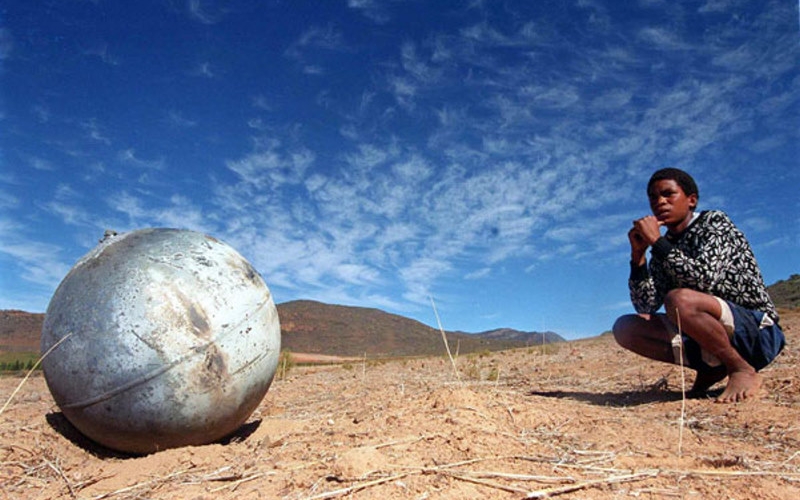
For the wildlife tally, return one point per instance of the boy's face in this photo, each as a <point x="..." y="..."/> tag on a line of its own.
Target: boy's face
<point x="670" y="204"/>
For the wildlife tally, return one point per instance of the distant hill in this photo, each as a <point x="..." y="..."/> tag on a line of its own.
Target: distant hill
<point x="317" y="328"/>
<point x="20" y="331"/>
<point x="786" y="293"/>
<point x="529" y="338"/>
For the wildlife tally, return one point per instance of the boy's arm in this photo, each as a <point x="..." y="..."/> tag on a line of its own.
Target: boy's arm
<point x="716" y="245"/>
<point x="644" y="294"/>
<point x="643" y="291"/>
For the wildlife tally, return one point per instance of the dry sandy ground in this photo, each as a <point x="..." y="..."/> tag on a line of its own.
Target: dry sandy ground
<point x="585" y="420"/>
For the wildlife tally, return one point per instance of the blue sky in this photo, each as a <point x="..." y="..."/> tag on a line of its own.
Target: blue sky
<point x="376" y="153"/>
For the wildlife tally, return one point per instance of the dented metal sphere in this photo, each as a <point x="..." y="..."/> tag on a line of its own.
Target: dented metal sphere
<point x="167" y="338"/>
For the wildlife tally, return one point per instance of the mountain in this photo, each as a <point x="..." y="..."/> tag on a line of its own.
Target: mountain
<point x="531" y="338"/>
<point x="20" y="331"/>
<point x="786" y="293"/>
<point x="317" y="328"/>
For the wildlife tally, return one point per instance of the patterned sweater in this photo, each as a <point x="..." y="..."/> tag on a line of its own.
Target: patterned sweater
<point x="710" y="256"/>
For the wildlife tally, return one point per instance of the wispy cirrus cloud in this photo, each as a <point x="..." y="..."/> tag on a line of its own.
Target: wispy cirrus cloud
<point x="6" y="44"/>
<point x="375" y="10"/>
<point x="203" y="11"/>
<point x="38" y="261"/>
<point x="310" y="49"/>
<point x="129" y="157"/>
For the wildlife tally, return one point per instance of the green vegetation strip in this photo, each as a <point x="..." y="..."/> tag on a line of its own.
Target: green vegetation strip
<point x="18" y="361"/>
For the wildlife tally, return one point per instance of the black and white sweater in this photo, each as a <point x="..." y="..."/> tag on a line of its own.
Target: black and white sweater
<point x="710" y="256"/>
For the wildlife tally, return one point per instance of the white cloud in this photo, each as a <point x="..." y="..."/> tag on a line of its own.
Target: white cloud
<point x="273" y="168"/>
<point x="101" y="51"/>
<point x="128" y="156"/>
<point x="38" y="262"/>
<point x="177" y="120"/>
<point x="371" y="9"/>
<point x="200" y="10"/>
<point x="716" y="6"/>
<point x="312" y="49"/>
<point x="662" y="39"/>
<point x="6" y="44"/>
<point x="41" y="164"/>
<point x="95" y="131"/>
<point x="203" y="69"/>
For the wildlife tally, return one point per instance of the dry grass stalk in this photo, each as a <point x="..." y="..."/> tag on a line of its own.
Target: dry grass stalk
<point x="236" y="482"/>
<point x="35" y="366"/>
<point x="404" y="441"/>
<point x="683" y="387"/>
<point x="511" y="489"/>
<point x="730" y="473"/>
<point x="358" y="487"/>
<point x="444" y="338"/>
<point x="141" y="485"/>
<point x="364" y="368"/>
<point x="558" y="490"/>
<point x="523" y="477"/>
<point x="375" y="482"/>
<point x="62" y="475"/>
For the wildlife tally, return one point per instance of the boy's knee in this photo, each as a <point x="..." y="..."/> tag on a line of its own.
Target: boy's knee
<point x="678" y="298"/>
<point x="622" y="329"/>
<point x="685" y="300"/>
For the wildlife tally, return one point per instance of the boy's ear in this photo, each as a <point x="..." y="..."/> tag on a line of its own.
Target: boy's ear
<point x="693" y="201"/>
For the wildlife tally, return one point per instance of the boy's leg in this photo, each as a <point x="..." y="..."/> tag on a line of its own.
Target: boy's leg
<point x="698" y="315"/>
<point x="650" y="336"/>
<point x="646" y="335"/>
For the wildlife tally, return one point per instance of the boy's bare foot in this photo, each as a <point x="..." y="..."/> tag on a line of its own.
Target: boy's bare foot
<point x="705" y="379"/>
<point x="742" y="385"/>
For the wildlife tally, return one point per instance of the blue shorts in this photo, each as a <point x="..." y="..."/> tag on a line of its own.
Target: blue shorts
<point x="758" y="346"/>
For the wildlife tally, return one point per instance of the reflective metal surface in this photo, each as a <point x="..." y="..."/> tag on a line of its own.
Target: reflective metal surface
<point x="173" y="340"/>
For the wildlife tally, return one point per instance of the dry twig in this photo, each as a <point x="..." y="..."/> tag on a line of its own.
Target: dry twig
<point x="35" y="366"/>
<point x="444" y="338"/>
<point x="558" y="490"/>
<point x="683" y="386"/>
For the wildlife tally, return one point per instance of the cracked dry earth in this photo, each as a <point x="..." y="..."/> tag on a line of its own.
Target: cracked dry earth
<point x="582" y="419"/>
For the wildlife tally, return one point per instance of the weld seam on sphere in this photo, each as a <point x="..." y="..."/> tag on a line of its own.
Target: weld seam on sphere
<point x="149" y="376"/>
<point x="174" y="341"/>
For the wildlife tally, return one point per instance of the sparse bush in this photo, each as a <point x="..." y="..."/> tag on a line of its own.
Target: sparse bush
<point x="472" y="371"/>
<point x="285" y="363"/>
<point x="544" y="349"/>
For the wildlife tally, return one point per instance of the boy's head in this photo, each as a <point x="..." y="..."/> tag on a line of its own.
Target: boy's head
<point x="684" y="180"/>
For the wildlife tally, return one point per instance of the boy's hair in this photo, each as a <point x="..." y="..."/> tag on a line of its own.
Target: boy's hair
<point x="684" y="180"/>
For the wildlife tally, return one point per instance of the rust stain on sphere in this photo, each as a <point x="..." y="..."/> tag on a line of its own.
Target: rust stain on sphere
<point x="172" y="339"/>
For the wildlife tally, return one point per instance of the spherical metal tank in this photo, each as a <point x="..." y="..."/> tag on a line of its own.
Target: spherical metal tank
<point x="168" y="338"/>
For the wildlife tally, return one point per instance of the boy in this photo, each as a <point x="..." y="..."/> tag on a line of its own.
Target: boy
<point x="704" y="273"/>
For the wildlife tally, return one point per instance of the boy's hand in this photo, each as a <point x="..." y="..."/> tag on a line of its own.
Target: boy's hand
<point x="648" y="228"/>
<point x="642" y="235"/>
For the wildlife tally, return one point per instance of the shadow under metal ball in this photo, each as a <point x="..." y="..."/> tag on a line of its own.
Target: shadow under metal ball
<point x="167" y="338"/>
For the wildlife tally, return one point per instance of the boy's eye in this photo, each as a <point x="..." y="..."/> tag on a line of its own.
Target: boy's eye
<point x="665" y="194"/>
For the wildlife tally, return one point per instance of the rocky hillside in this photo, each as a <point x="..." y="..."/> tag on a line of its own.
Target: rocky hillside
<point x="314" y="327"/>
<point x="786" y="293"/>
<point x="20" y="330"/>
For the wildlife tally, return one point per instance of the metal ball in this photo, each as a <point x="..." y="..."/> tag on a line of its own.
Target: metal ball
<point x="167" y="338"/>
